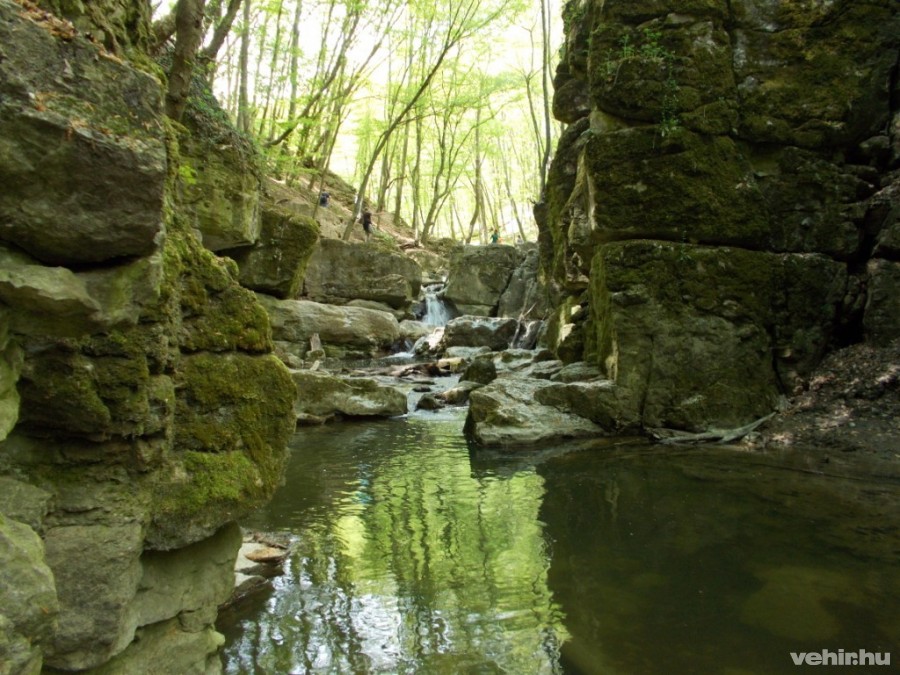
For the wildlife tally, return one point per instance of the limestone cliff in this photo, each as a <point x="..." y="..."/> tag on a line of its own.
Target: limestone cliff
<point x="141" y="408"/>
<point x="714" y="213"/>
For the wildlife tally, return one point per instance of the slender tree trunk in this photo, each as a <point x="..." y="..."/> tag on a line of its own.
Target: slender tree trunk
<point x="223" y="29"/>
<point x="545" y="91"/>
<point x="478" y="188"/>
<point x="188" y="33"/>
<point x="276" y="48"/>
<point x="416" y="180"/>
<point x="243" y="119"/>
<point x="401" y="171"/>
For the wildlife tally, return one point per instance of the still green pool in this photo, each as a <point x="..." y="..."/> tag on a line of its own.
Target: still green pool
<point x="414" y="553"/>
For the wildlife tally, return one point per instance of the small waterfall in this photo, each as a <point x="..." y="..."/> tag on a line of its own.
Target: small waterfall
<point x="437" y="313"/>
<point x="526" y="336"/>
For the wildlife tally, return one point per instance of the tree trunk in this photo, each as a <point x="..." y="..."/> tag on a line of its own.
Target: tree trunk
<point x="243" y="117"/>
<point x="188" y="33"/>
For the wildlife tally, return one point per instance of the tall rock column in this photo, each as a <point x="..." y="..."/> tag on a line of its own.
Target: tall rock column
<point x="141" y="409"/>
<point x="705" y="220"/>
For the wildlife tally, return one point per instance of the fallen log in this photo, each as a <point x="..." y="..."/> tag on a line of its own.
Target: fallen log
<point x="674" y="437"/>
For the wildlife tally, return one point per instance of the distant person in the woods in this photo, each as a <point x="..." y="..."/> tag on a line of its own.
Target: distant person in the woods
<point x="324" y="198"/>
<point x="367" y="224"/>
<point x="495" y="237"/>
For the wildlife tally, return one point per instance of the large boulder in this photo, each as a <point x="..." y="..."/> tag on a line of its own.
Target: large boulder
<point x="322" y="396"/>
<point x="276" y="264"/>
<point x="479" y="331"/>
<point x="80" y="130"/>
<point x="525" y="296"/>
<point x="339" y="272"/>
<point x="507" y="413"/>
<point x="342" y="331"/>
<point x="478" y="277"/>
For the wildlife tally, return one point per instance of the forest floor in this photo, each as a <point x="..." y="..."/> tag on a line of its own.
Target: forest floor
<point x="334" y="218"/>
<point x="848" y="417"/>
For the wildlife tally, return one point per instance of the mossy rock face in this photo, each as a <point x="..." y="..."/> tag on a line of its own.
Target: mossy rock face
<point x="117" y="24"/>
<point x="27" y="598"/>
<point x="638" y="11"/>
<point x="82" y="153"/>
<point x="814" y="75"/>
<point x="673" y="70"/>
<point x="96" y="388"/>
<point x="813" y="204"/>
<point x="882" y="317"/>
<point x="277" y="263"/>
<point x="690" y="332"/>
<point x="234" y="415"/>
<point x="10" y="366"/>
<point x="686" y="187"/>
<point x="561" y="180"/>
<point x="221" y="172"/>
<point x="216" y="313"/>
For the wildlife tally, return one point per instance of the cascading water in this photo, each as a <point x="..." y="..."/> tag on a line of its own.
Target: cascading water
<point x="437" y="313"/>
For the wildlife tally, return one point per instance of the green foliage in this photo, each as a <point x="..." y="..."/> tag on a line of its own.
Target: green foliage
<point x="649" y="48"/>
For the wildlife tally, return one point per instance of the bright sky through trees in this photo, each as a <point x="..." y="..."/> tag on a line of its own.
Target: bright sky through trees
<point x="439" y="108"/>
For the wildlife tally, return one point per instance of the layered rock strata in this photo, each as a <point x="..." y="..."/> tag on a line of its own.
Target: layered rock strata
<point x="141" y="408"/>
<point x="719" y="212"/>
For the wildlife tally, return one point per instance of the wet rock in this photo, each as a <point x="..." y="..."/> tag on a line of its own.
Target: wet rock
<point x="343" y="331"/>
<point x="324" y="396"/>
<point x="459" y="394"/>
<point x="475" y="331"/>
<point x="430" y="402"/>
<point x="481" y="370"/>
<point x="506" y="413"/>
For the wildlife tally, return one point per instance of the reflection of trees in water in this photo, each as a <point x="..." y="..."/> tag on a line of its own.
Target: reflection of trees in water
<point x="405" y="561"/>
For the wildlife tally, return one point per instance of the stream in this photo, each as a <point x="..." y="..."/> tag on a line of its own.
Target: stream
<point x="414" y="553"/>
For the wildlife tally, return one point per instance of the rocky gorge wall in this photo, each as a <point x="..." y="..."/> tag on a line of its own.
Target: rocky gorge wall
<point x="723" y="205"/>
<point x="141" y="408"/>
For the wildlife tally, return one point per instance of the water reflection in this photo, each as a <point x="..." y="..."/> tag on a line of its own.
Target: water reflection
<point x="415" y="556"/>
<point x="715" y="562"/>
<point x="405" y="560"/>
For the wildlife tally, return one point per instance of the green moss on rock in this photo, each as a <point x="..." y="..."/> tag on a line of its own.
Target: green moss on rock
<point x="236" y="402"/>
<point x="684" y="187"/>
